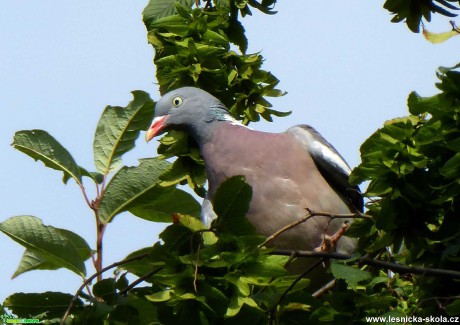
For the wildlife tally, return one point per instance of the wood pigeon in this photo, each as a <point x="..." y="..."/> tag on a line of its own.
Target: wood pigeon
<point x="287" y="171"/>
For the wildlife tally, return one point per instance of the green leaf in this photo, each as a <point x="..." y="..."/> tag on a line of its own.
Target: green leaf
<point x="451" y="168"/>
<point x="351" y="275"/>
<point x="39" y="145"/>
<point x="78" y="242"/>
<point x="437" y="38"/>
<point x="272" y="266"/>
<point x="96" y="177"/>
<point x="118" y="129"/>
<point x="159" y="205"/>
<point x="420" y="105"/>
<point x="49" y="242"/>
<point x="453" y="308"/>
<point x="191" y="223"/>
<point x="33" y="260"/>
<point x="236" y="35"/>
<point x="122" y="282"/>
<point x="54" y="304"/>
<point x="130" y="184"/>
<point x="186" y="169"/>
<point x="144" y="265"/>
<point x="161" y="8"/>
<point x="160" y="296"/>
<point x="105" y="290"/>
<point x="231" y="203"/>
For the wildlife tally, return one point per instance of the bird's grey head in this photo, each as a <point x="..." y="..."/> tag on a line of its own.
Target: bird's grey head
<point x="188" y="109"/>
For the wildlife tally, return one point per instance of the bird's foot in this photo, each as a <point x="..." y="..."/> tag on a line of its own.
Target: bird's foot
<point x="330" y="242"/>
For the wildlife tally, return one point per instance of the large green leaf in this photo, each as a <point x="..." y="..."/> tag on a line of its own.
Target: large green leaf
<point x="53" y="304"/>
<point x="118" y="129"/>
<point x="159" y="204"/>
<point x="130" y="184"/>
<point x="53" y="247"/>
<point x="40" y="145"/>
<point x="32" y="260"/>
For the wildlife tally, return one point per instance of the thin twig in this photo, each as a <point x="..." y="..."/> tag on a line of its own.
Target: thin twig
<point x="324" y="289"/>
<point x="139" y="280"/>
<point x="92" y="277"/>
<point x="397" y="268"/>
<point x="195" y="276"/>
<point x="311" y="268"/>
<point x="311" y="214"/>
<point x="83" y="190"/>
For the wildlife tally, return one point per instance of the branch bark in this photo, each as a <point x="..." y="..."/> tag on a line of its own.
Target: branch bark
<point x="311" y="214"/>
<point x="95" y="275"/>
<point x="397" y="268"/>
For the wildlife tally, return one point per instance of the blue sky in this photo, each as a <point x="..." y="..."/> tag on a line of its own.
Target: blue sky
<point x="345" y="67"/>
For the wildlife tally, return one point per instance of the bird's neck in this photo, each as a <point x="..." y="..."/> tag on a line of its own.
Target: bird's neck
<point x="204" y="129"/>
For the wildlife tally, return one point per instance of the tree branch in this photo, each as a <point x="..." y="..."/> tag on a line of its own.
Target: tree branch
<point x="92" y="277"/>
<point x="397" y="268"/>
<point x="139" y="280"/>
<point x="311" y="214"/>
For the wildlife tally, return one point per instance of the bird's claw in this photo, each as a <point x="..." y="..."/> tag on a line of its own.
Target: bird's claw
<point x="330" y="242"/>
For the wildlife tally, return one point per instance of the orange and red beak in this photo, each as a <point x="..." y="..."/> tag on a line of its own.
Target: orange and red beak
<point x="157" y="126"/>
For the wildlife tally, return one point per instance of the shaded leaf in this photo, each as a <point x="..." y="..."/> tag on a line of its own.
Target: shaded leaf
<point x="47" y="241"/>
<point x="106" y="290"/>
<point x="39" y="145"/>
<point x="451" y="168"/>
<point x="351" y="275"/>
<point x="159" y="204"/>
<point x="453" y="308"/>
<point x="32" y="260"/>
<point x="231" y="203"/>
<point x="53" y="304"/>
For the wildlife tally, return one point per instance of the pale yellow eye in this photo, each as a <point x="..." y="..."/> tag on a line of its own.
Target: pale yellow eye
<point x="177" y="101"/>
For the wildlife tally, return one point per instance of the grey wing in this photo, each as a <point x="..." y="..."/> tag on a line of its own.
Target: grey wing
<point x="329" y="162"/>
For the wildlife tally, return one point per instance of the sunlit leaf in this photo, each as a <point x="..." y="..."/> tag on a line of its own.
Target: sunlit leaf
<point x="161" y="8"/>
<point x="437" y="38"/>
<point x="130" y="184"/>
<point x="118" y="129"/>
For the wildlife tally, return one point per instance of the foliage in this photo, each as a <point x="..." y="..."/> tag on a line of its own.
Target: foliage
<point x="413" y="164"/>
<point x="437" y="38"/>
<point x="413" y="11"/>
<point x="200" y="275"/>
<point x="193" y="48"/>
